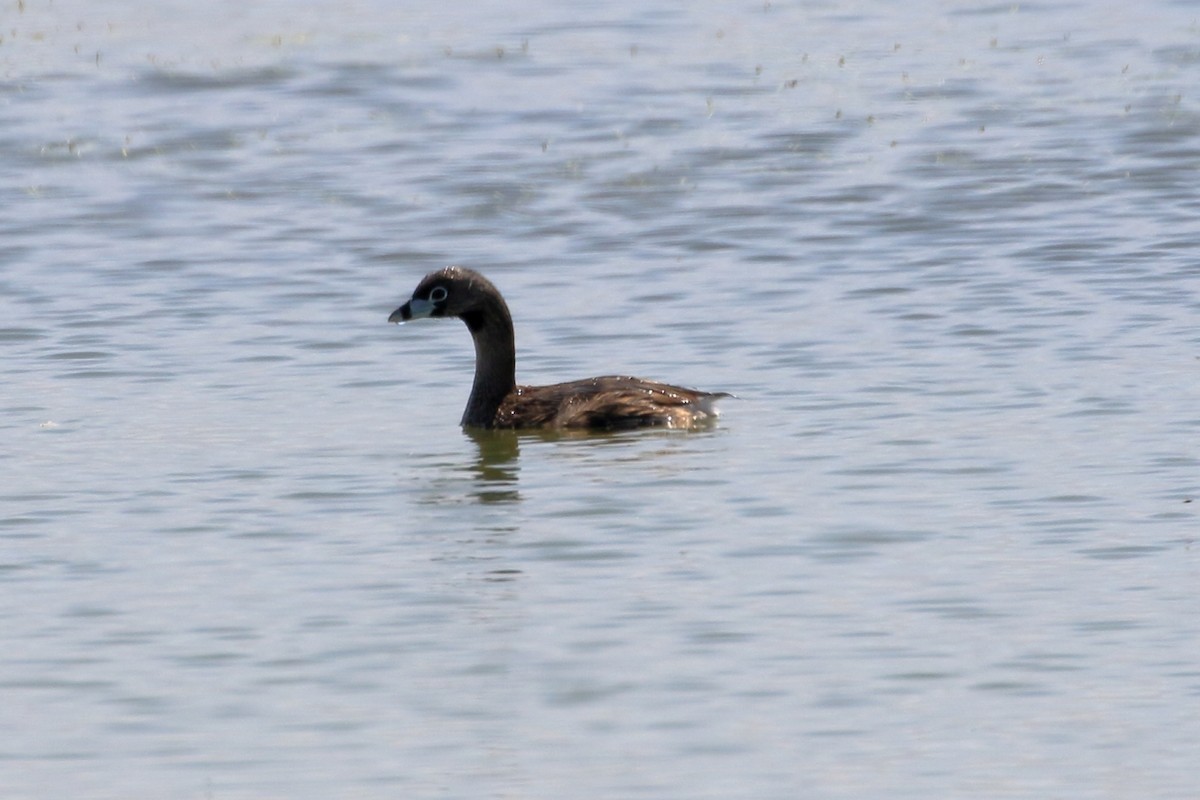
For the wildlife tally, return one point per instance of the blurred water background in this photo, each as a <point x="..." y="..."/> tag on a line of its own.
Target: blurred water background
<point x="947" y="254"/>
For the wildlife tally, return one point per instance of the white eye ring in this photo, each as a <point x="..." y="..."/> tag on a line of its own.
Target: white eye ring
<point x="438" y="294"/>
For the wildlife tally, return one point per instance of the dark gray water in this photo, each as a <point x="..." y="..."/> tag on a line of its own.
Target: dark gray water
<point x="943" y="544"/>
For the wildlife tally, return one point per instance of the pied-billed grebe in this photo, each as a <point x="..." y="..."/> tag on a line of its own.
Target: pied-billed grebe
<point x="496" y="401"/>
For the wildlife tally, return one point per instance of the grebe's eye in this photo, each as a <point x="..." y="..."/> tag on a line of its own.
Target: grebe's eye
<point x="438" y="294"/>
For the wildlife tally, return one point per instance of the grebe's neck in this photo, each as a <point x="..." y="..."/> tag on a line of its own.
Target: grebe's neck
<point x="495" y="360"/>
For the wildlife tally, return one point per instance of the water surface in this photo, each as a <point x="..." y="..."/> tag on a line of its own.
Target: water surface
<point x="942" y="544"/>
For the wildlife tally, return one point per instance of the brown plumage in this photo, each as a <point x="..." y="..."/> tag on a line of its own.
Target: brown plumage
<point x="607" y="403"/>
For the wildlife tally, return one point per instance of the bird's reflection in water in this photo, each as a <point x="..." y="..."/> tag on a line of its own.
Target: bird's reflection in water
<point x="497" y="466"/>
